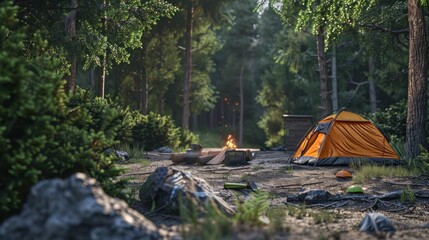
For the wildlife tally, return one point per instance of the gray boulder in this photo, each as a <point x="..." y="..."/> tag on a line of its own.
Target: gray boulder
<point x="76" y="208"/>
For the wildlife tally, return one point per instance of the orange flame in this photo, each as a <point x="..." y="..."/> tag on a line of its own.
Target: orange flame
<point x="230" y="142"/>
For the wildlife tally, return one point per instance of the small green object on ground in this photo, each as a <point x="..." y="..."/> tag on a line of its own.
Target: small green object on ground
<point x="354" y="189"/>
<point x="229" y="185"/>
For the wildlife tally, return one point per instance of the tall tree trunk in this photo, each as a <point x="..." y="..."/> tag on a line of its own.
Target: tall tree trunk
<point x="212" y="116"/>
<point x="240" y="135"/>
<point x="417" y="81"/>
<point x="138" y="87"/>
<point x="372" y="92"/>
<point x="144" y="94"/>
<point x="102" y="79"/>
<point x="70" y="29"/>
<point x="188" y="66"/>
<point x="194" y="122"/>
<point x="92" y="79"/>
<point x="161" y="103"/>
<point x="103" y="71"/>
<point x="322" y="72"/>
<point x="334" y="79"/>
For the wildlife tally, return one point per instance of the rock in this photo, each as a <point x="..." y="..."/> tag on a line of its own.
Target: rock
<point x="76" y="208"/>
<point x="165" y="149"/>
<point x="196" y="147"/>
<point x="377" y="224"/>
<point x="171" y="189"/>
<point x="311" y="196"/>
<point x="123" y="155"/>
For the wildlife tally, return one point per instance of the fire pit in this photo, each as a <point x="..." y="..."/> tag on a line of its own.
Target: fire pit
<point x="235" y="157"/>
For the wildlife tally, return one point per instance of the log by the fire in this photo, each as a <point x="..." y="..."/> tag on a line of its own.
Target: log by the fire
<point x="219" y="158"/>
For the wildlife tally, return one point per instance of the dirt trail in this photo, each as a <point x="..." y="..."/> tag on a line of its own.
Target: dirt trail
<point x="272" y="174"/>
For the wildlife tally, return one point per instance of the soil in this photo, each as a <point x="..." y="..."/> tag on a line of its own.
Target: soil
<point x="271" y="173"/>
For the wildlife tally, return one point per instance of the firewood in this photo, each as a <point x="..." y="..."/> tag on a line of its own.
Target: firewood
<point x="218" y="159"/>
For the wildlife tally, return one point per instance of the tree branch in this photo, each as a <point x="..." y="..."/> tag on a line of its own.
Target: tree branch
<point x="384" y="29"/>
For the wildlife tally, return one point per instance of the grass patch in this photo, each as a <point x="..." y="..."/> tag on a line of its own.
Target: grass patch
<point x="216" y="225"/>
<point x="374" y="171"/>
<point x="244" y="177"/>
<point x="257" y="168"/>
<point x="407" y="195"/>
<point x="286" y="169"/>
<point x="324" y="216"/>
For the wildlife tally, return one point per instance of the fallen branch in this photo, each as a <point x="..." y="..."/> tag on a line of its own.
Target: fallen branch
<point x="225" y="170"/>
<point x="298" y="184"/>
<point x="389" y="206"/>
<point x="135" y="174"/>
<point x="407" y="184"/>
<point x="335" y="204"/>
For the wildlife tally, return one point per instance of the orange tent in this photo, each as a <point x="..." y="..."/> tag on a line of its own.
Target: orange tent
<point x="343" y="137"/>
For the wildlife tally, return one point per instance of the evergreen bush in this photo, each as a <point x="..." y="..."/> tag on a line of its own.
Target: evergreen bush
<point x="44" y="133"/>
<point x="153" y="131"/>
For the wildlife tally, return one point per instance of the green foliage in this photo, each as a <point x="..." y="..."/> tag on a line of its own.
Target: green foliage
<point x="154" y="131"/>
<point x="44" y="133"/>
<point x="29" y="95"/>
<point x="421" y="162"/>
<point x="250" y="211"/>
<point x="392" y="120"/>
<point x="187" y="138"/>
<point x="366" y="172"/>
<point x="211" y="138"/>
<point x="106" y="115"/>
<point x="407" y="195"/>
<point x="215" y="224"/>
<point x="334" y="16"/>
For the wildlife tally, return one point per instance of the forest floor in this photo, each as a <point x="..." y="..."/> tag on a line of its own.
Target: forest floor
<point x="272" y="174"/>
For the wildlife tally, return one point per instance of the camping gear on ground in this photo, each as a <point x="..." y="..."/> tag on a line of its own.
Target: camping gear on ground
<point x="342" y="138"/>
<point x="234" y="157"/>
<point x="354" y="189"/>
<point x="171" y="189"/>
<point x="377" y="224"/>
<point x="250" y="185"/>
<point x="343" y="174"/>
<point x="310" y="196"/>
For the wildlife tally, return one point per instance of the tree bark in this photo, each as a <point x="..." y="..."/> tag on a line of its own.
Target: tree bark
<point x="102" y="79"/>
<point x="70" y="28"/>
<point x="417" y="81"/>
<point x="138" y="86"/>
<point x="240" y="135"/>
<point x="334" y="79"/>
<point x="144" y="89"/>
<point x="322" y="72"/>
<point x="188" y="66"/>
<point x="103" y="72"/>
<point x="161" y="103"/>
<point x="372" y="92"/>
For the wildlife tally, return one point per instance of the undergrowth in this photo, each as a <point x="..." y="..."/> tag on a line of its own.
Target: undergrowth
<point x="367" y="172"/>
<point x="217" y="225"/>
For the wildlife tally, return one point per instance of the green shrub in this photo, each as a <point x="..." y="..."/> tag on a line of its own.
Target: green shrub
<point x="187" y="138"/>
<point x="105" y="115"/>
<point x="153" y="131"/>
<point x="28" y="99"/>
<point x="393" y="120"/>
<point x="43" y="133"/>
<point x="250" y="211"/>
<point x="407" y="195"/>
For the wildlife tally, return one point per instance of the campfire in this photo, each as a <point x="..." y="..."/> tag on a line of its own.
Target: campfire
<point x="230" y="143"/>
<point x="229" y="154"/>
